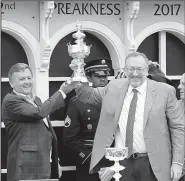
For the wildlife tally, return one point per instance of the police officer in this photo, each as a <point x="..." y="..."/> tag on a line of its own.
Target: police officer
<point x="82" y="120"/>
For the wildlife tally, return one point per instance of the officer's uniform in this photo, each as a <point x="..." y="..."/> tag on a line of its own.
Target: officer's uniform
<point x="80" y="127"/>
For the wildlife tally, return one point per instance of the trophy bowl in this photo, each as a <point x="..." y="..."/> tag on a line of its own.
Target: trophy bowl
<point x="116" y="154"/>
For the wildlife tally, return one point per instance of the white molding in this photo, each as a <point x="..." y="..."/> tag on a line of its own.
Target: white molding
<point x="61" y="79"/>
<point x="133" y="7"/>
<point x="4" y="79"/>
<point x="162" y="51"/>
<point x="46" y="13"/>
<point x="174" y="77"/>
<point x="53" y="79"/>
<point x="111" y="40"/>
<point x="3" y="171"/>
<point x="56" y="123"/>
<point x="47" y="8"/>
<point x="169" y="26"/>
<point x="68" y="168"/>
<point x="25" y="38"/>
<point x="64" y="168"/>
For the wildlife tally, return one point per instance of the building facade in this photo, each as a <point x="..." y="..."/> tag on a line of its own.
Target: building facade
<point x="37" y="33"/>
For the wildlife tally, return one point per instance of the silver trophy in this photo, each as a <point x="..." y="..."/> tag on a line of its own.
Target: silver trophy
<point x="78" y="51"/>
<point x="116" y="154"/>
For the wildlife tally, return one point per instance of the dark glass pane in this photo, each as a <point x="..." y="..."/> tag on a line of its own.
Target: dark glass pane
<point x="150" y="47"/>
<point x="60" y="113"/>
<point x="4" y="148"/>
<point x="11" y="52"/>
<point x="5" y="88"/>
<point x="3" y="177"/>
<point x="176" y="84"/>
<point x="68" y="176"/>
<point x="175" y="55"/>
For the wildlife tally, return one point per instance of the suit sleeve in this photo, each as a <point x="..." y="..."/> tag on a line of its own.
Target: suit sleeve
<point x="90" y="95"/>
<point x="176" y="126"/>
<point x="20" y="110"/>
<point x="72" y="137"/>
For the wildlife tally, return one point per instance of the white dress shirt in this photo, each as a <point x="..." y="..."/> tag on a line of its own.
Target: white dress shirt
<point x="138" y="139"/>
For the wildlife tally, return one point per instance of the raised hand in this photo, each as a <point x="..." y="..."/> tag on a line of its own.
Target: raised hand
<point x="67" y="87"/>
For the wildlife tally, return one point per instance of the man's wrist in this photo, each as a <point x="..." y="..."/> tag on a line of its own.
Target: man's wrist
<point x="63" y="93"/>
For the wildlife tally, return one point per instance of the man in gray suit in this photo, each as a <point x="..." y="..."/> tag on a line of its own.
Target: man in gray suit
<point x="143" y="115"/>
<point x="181" y="88"/>
<point x="29" y="134"/>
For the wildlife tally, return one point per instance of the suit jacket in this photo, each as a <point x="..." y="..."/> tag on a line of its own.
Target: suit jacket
<point x="163" y="123"/>
<point x="182" y="107"/>
<point x="29" y="139"/>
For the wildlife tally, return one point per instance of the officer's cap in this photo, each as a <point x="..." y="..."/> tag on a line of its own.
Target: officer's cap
<point x="98" y="67"/>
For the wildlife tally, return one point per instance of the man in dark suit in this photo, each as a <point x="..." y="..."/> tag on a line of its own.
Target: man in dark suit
<point x="142" y="115"/>
<point x="82" y="120"/>
<point x="29" y="132"/>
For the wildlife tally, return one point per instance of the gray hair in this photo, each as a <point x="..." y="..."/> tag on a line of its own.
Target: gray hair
<point x="136" y="54"/>
<point x="18" y="67"/>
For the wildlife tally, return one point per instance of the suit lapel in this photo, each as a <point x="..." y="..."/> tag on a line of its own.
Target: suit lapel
<point x="120" y="103"/>
<point x="150" y="95"/>
<point x="37" y="101"/>
<point x="22" y="97"/>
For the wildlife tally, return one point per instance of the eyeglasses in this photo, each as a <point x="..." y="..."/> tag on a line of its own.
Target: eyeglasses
<point x="132" y="70"/>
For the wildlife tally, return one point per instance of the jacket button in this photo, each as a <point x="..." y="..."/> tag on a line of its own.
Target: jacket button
<point x="88" y="118"/>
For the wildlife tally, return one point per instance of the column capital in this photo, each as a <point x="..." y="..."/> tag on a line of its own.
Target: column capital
<point x="46" y="13"/>
<point x="134" y="7"/>
<point x="133" y="11"/>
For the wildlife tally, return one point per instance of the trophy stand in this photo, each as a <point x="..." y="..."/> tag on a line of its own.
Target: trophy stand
<point x="78" y="51"/>
<point x="116" y="154"/>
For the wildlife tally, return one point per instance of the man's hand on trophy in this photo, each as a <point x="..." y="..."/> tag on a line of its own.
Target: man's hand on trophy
<point x="67" y="87"/>
<point x="106" y="173"/>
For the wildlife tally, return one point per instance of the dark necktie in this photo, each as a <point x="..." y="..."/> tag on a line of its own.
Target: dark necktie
<point x="130" y="123"/>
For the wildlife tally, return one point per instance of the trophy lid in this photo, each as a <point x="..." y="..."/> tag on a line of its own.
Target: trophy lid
<point x="79" y="34"/>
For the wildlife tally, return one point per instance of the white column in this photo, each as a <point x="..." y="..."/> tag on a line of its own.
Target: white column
<point x="42" y="84"/>
<point x="43" y="61"/>
<point x="162" y="51"/>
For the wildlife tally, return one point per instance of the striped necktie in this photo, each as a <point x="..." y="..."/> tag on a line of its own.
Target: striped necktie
<point x="130" y="123"/>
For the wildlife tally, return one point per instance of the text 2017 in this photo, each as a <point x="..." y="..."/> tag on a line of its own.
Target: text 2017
<point x="166" y="9"/>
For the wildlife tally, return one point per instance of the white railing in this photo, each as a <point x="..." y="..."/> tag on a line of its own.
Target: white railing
<point x="66" y="168"/>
